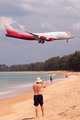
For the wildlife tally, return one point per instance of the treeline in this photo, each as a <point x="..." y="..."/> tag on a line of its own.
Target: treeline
<point x="67" y="62"/>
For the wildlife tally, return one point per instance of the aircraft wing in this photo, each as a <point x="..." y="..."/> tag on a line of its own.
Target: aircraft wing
<point x="41" y="39"/>
<point x="34" y="35"/>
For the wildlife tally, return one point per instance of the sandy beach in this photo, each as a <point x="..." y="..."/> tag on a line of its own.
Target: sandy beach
<point x="61" y="102"/>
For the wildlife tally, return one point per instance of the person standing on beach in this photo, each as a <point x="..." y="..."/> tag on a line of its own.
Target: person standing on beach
<point x="38" y="97"/>
<point x="42" y="80"/>
<point x="51" y="79"/>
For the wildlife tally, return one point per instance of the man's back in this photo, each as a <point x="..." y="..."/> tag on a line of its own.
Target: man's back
<point x="37" y="88"/>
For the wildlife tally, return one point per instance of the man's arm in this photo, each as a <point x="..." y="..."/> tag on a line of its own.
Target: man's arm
<point x="44" y="86"/>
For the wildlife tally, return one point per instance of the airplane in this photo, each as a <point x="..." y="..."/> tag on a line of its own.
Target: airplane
<point x="40" y="37"/>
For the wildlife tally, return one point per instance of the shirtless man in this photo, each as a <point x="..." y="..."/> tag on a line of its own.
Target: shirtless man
<point x="38" y="98"/>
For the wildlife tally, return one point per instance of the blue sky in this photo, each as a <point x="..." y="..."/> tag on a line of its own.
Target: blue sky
<point x="38" y="16"/>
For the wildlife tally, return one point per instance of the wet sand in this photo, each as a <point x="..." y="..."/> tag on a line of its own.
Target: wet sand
<point x="61" y="102"/>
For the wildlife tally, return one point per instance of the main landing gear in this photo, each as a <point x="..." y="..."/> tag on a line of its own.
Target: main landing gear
<point x="41" y="41"/>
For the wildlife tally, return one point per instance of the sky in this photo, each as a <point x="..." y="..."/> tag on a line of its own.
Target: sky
<point x="38" y="16"/>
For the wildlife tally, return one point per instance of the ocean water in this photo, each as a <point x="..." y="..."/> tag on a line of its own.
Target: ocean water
<point x="14" y="84"/>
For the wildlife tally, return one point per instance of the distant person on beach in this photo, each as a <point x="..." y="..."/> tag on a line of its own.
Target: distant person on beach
<point x="51" y="79"/>
<point x="46" y="82"/>
<point x="76" y="74"/>
<point x="66" y="76"/>
<point x="42" y="80"/>
<point x="38" y="97"/>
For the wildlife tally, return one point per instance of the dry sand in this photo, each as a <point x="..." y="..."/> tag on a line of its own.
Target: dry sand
<point x="61" y="102"/>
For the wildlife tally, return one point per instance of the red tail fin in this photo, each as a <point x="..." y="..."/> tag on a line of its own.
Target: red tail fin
<point x="10" y="30"/>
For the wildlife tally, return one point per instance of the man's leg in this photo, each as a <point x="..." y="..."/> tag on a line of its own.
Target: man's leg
<point x="42" y="108"/>
<point x="36" y="110"/>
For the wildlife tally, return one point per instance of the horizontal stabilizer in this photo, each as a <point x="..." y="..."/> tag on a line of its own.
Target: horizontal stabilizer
<point x="9" y="35"/>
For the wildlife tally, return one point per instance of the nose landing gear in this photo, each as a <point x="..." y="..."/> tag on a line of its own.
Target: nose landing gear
<point x="67" y="41"/>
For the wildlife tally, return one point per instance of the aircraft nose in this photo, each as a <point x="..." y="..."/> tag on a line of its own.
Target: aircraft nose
<point x="73" y="35"/>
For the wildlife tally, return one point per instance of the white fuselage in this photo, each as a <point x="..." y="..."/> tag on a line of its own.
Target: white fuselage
<point x="41" y="37"/>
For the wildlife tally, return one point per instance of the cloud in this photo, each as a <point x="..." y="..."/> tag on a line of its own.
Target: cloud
<point x="40" y="8"/>
<point x="10" y="21"/>
<point x="4" y="20"/>
<point x="15" y="8"/>
<point x="22" y="27"/>
<point x="76" y="26"/>
<point x="48" y="26"/>
<point x="75" y="3"/>
<point x="47" y="2"/>
<point x="26" y="6"/>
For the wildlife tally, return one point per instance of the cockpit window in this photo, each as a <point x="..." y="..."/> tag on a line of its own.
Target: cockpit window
<point x="68" y="33"/>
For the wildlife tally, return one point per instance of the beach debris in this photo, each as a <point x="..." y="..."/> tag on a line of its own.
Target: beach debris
<point x="67" y="109"/>
<point x="62" y="113"/>
<point x="78" y="92"/>
<point x="70" y="108"/>
<point x="44" y="112"/>
<point x="66" y="95"/>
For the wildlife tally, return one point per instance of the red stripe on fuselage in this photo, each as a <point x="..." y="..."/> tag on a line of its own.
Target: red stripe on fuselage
<point x="20" y="36"/>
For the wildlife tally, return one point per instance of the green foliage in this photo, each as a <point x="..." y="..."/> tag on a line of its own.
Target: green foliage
<point x="67" y="62"/>
<point x="52" y="64"/>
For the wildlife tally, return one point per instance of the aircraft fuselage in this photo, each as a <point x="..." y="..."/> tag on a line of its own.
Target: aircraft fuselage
<point x="41" y="37"/>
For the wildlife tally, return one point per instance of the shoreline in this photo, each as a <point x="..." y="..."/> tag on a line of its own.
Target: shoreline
<point x="56" y="72"/>
<point x="23" y="89"/>
<point x="61" y="101"/>
<point x="28" y="89"/>
<point x="16" y="93"/>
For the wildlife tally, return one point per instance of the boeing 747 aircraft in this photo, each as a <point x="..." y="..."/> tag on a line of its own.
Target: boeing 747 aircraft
<point x="40" y="37"/>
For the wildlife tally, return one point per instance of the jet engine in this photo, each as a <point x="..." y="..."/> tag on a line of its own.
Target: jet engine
<point x="41" y="37"/>
<point x="49" y="39"/>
